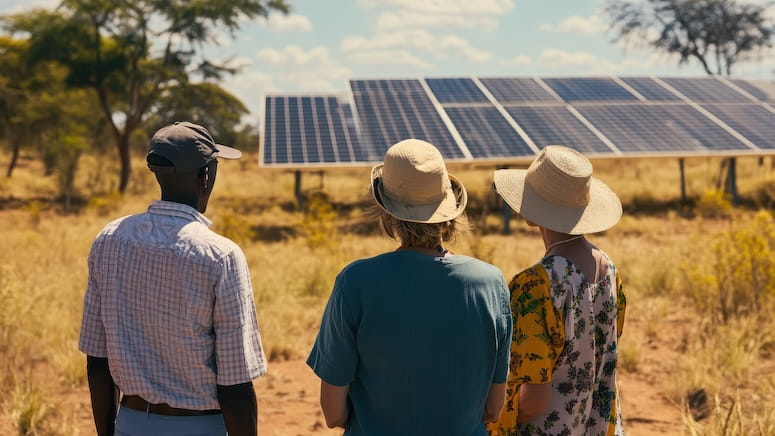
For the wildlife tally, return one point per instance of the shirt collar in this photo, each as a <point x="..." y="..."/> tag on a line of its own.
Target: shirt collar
<point x="170" y="208"/>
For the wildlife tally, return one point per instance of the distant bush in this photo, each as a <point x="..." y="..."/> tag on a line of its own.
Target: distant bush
<point x="732" y="274"/>
<point x="714" y="204"/>
<point x="235" y="227"/>
<point x="319" y="223"/>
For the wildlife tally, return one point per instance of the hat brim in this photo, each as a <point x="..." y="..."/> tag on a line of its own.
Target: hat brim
<point x="601" y="213"/>
<point x="451" y="206"/>
<point x="226" y="152"/>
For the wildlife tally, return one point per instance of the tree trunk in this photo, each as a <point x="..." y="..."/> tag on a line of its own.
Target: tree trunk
<point x="14" y="159"/>
<point x="126" y="162"/>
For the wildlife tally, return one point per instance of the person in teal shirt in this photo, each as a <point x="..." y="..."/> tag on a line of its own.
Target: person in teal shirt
<point x="415" y="341"/>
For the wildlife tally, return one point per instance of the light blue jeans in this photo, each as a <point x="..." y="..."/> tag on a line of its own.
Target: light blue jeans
<point x="134" y="423"/>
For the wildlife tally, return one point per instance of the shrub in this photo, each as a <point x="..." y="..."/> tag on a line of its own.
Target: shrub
<point x="714" y="204"/>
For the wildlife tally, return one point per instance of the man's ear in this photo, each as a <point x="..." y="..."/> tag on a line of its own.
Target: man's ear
<point x="205" y="177"/>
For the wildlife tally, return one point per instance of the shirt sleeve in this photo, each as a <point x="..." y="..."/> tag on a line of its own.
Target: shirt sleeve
<point x="539" y="334"/>
<point x="92" y="339"/>
<point x="504" y="335"/>
<point x="621" y="305"/>
<point x="239" y="354"/>
<point x="334" y="356"/>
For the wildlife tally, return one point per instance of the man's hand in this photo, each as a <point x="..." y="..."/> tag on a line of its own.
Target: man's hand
<point x="240" y="409"/>
<point x="104" y="395"/>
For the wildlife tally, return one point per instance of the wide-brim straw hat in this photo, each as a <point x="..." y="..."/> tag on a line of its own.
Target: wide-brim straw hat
<point x="412" y="184"/>
<point x="559" y="193"/>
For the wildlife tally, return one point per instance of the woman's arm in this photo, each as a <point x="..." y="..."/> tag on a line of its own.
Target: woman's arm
<point x="333" y="401"/>
<point x="534" y="400"/>
<point x="494" y="404"/>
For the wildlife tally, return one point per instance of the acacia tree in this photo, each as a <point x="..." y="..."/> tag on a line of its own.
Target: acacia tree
<point x="131" y="51"/>
<point x="716" y="33"/>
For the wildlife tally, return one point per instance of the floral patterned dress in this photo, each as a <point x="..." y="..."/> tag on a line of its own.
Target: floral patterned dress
<point x="565" y="333"/>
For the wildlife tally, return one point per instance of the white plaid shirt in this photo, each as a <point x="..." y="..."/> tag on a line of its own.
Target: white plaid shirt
<point x="170" y="304"/>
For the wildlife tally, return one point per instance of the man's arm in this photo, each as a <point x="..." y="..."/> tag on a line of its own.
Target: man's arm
<point x="333" y="401"/>
<point x="240" y="409"/>
<point x="104" y="394"/>
<point x="494" y="404"/>
<point x="534" y="400"/>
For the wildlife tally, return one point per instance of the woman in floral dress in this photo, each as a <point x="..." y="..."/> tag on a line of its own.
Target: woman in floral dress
<point x="568" y="309"/>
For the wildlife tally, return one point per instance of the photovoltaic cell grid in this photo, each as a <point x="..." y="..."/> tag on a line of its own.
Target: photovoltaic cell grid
<point x="487" y="134"/>
<point x="588" y="88"/>
<point x="706" y="90"/>
<point x="393" y="110"/>
<point x="547" y="125"/>
<point x="305" y="130"/>
<point x="456" y="91"/>
<point x="517" y="90"/>
<point x="309" y="130"/>
<point x="637" y="128"/>
<point x="650" y="89"/>
<point x="754" y="122"/>
<point x="764" y="91"/>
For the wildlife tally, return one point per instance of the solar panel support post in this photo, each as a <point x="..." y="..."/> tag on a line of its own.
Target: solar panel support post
<point x="683" y="180"/>
<point x="731" y="185"/>
<point x="297" y="187"/>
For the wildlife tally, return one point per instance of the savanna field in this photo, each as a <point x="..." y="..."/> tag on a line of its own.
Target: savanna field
<point x="697" y="356"/>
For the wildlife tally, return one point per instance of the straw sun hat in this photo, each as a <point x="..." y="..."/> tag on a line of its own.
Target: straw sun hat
<point x="413" y="184"/>
<point x="559" y="193"/>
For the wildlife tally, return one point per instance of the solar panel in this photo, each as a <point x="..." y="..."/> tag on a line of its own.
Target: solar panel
<point x="705" y="90"/>
<point x="486" y="133"/>
<point x="517" y="90"/>
<point x="456" y="91"/>
<point x="389" y="111"/>
<point x="764" y="91"/>
<point x="556" y="125"/>
<point x="309" y="130"/>
<point x="638" y="128"/>
<point x="649" y="89"/>
<point x="588" y="88"/>
<point x="751" y="120"/>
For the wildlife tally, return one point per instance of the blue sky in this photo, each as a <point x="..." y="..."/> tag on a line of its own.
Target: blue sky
<point x="321" y="44"/>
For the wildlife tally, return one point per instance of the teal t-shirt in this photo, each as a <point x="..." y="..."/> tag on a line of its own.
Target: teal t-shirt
<point x="419" y="340"/>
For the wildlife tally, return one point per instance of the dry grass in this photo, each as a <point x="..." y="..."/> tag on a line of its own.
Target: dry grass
<point x="294" y="257"/>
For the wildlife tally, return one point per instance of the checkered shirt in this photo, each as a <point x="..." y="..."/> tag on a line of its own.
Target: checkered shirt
<point x="170" y="304"/>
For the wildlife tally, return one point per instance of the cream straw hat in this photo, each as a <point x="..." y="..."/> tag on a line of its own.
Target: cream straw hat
<point x="413" y="184"/>
<point x="559" y="193"/>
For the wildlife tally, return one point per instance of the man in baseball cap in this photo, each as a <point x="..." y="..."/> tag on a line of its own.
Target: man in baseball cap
<point x="169" y="316"/>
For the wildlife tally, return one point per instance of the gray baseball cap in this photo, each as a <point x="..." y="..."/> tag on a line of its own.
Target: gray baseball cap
<point x="188" y="146"/>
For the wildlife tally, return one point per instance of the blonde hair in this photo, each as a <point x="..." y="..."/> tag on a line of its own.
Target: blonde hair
<point x="424" y="235"/>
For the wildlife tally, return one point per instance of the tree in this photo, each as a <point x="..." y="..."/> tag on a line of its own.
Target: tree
<point x="716" y="33"/>
<point x="130" y="52"/>
<point x="203" y="103"/>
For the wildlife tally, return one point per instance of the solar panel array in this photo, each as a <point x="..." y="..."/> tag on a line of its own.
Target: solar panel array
<point x="502" y="119"/>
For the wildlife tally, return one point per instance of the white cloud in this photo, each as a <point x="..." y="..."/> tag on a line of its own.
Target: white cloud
<point x="312" y="69"/>
<point x="517" y="61"/>
<point x="389" y="57"/>
<point x="291" y="23"/>
<point x="404" y="19"/>
<point x="578" y="25"/>
<point x="560" y="58"/>
<point x="459" y="7"/>
<point x="438" y="47"/>
<point x="15" y="6"/>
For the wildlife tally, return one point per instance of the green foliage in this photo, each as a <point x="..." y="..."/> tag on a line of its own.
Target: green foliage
<point x="732" y="274"/>
<point x="721" y="32"/>
<point x="235" y="227"/>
